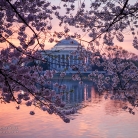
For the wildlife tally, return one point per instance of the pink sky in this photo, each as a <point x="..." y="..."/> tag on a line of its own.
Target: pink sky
<point x="127" y="44"/>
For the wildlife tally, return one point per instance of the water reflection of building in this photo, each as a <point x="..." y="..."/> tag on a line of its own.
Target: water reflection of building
<point x="60" y="58"/>
<point x="79" y="94"/>
<point x="86" y="93"/>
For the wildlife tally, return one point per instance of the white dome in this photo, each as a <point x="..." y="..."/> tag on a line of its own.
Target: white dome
<point x="66" y="44"/>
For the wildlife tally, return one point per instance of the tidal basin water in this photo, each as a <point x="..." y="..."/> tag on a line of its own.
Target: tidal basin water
<point x="100" y="119"/>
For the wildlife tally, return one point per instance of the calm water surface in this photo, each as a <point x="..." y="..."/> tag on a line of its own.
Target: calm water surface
<point x="100" y="119"/>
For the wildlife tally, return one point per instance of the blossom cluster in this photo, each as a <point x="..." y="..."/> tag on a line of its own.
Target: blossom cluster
<point x="29" y="22"/>
<point x="120" y="76"/>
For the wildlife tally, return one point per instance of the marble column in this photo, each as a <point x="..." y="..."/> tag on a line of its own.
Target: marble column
<point x="72" y="60"/>
<point x="62" y="61"/>
<point x="58" y="62"/>
<point x="69" y="61"/>
<point x="50" y="59"/>
<point x="53" y="62"/>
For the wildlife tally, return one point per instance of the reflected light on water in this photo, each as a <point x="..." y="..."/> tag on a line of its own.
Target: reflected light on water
<point x="100" y="119"/>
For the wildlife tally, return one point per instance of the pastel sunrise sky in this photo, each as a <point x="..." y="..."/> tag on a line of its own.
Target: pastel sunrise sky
<point x="127" y="44"/>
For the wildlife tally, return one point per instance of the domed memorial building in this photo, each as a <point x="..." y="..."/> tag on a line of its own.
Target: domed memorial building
<point x="60" y="56"/>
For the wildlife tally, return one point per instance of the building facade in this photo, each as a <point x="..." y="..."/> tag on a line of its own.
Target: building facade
<point x="61" y="59"/>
